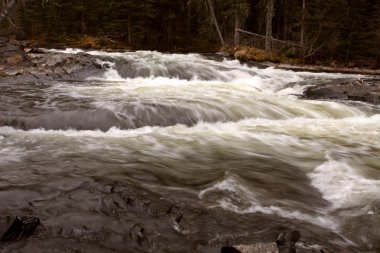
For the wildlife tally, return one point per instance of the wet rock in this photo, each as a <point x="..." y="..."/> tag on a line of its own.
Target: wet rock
<point x="29" y="65"/>
<point x="254" y="248"/>
<point x="358" y="90"/>
<point x="19" y="228"/>
<point x="102" y="215"/>
<point x="10" y="54"/>
<point x="286" y="242"/>
<point x="137" y="233"/>
<point x="8" y="48"/>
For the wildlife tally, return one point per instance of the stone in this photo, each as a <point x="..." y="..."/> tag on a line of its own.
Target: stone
<point x="9" y="48"/>
<point x="20" y="228"/>
<point x="286" y="242"/>
<point x="357" y="90"/>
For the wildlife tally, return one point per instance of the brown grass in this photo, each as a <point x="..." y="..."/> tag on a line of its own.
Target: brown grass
<point x="247" y="53"/>
<point x="14" y="60"/>
<point x="2" y="73"/>
<point x="84" y="42"/>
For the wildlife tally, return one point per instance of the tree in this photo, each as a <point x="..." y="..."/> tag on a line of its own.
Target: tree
<point x="241" y="12"/>
<point x="302" y="40"/>
<point x="208" y="5"/>
<point x="212" y="13"/>
<point x="269" y="9"/>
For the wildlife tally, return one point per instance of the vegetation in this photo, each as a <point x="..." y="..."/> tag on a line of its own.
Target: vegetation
<point x="335" y="30"/>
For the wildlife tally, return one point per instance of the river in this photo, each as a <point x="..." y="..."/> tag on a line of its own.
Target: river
<point x="232" y="144"/>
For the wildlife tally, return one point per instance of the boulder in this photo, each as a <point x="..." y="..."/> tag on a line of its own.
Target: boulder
<point x="285" y="243"/>
<point x="357" y="90"/>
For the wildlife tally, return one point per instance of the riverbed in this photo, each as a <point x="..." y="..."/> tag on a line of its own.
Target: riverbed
<point x="233" y="148"/>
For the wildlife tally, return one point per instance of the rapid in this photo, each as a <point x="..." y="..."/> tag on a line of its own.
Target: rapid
<point x="234" y="142"/>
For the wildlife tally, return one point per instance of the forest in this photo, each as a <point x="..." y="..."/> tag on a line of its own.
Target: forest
<point x="333" y="30"/>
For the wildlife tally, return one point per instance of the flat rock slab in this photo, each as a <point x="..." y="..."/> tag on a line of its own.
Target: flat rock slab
<point x="358" y="90"/>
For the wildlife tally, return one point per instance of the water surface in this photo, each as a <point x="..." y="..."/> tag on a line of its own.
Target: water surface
<point x="233" y="142"/>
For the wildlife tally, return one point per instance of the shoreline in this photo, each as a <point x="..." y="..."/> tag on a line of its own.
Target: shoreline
<point x="246" y="55"/>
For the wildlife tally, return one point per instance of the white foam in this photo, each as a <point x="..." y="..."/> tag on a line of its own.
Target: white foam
<point x="343" y="185"/>
<point x="251" y="204"/>
<point x="9" y="152"/>
<point x="67" y="51"/>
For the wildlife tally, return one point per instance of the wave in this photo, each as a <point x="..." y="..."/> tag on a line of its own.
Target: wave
<point x="344" y="184"/>
<point x="242" y="200"/>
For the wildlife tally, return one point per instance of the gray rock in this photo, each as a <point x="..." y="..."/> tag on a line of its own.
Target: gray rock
<point x="258" y="248"/>
<point x="358" y="90"/>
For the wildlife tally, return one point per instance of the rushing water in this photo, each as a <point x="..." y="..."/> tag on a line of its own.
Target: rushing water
<point x="234" y="141"/>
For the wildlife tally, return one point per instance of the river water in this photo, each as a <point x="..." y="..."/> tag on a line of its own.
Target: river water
<point x="234" y="144"/>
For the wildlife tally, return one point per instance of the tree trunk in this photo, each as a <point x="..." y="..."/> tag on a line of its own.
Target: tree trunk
<point x="284" y="35"/>
<point x="169" y="29"/>
<point x="349" y="44"/>
<point x="215" y="21"/>
<point x="302" y="40"/>
<point x="83" y="18"/>
<point x="269" y="20"/>
<point x="129" y="30"/>
<point x="237" y="26"/>
<point x="188" y="19"/>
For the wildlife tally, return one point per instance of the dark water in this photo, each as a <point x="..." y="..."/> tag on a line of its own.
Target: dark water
<point x="171" y="153"/>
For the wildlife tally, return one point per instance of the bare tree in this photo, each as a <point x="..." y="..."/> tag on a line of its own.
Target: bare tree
<point x="269" y="7"/>
<point x="237" y="27"/>
<point x="241" y="12"/>
<point x="215" y="21"/>
<point x="302" y="40"/>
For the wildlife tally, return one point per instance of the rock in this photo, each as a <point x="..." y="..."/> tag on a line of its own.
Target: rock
<point x="8" y="48"/>
<point x="358" y="90"/>
<point x="373" y="97"/>
<point x="286" y="242"/>
<point x="254" y="248"/>
<point x="10" y="54"/>
<point x="138" y="234"/>
<point x="20" y="64"/>
<point x="19" y="228"/>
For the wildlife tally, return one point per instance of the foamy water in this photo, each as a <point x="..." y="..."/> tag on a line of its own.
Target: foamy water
<point x="208" y="131"/>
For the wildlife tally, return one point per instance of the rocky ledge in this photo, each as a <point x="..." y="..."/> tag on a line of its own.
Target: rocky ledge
<point x="20" y="63"/>
<point x="117" y="217"/>
<point x="357" y="90"/>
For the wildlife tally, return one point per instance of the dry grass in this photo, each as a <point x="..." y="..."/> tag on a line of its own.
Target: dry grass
<point x="84" y="42"/>
<point x="247" y="53"/>
<point x="89" y="42"/>
<point x="14" y="60"/>
<point x="2" y="73"/>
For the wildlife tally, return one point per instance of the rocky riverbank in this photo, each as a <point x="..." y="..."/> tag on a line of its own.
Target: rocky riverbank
<point x="21" y="64"/>
<point x="147" y="222"/>
<point x="93" y="191"/>
<point x="268" y="59"/>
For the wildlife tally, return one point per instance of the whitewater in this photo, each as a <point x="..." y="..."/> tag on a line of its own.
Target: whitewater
<point x="203" y="130"/>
